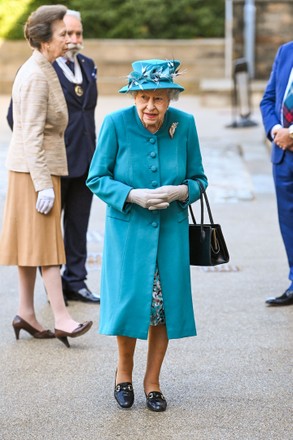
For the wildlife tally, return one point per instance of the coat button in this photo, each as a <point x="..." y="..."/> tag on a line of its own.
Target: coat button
<point x="154" y="168"/>
<point x="154" y="183"/>
<point x="154" y="224"/>
<point x="153" y="154"/>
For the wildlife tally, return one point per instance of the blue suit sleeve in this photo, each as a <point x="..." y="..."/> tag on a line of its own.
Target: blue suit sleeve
<point x="270" y="116"/>
<point x="9" y="116"/>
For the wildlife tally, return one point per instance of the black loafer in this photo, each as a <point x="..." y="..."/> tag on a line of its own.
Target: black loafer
<point x="155" y="401"/>
<point x="284" y="300"/>
<point x="123" y="393"/>
<point x="84" y="295"/>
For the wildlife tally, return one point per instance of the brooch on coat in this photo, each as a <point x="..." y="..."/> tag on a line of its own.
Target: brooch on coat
<point x="172" y="129"/>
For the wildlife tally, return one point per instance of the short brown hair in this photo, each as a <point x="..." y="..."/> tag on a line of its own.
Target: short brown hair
<point x="38" y="28"/>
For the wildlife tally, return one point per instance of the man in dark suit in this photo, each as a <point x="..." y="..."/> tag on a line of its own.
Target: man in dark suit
<point x="77" y="75"/>
<point x="277" y="112"/>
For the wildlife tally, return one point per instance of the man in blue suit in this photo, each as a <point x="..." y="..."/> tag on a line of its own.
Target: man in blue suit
<point x="77" y="75"/>
<point x="277" y="112"/>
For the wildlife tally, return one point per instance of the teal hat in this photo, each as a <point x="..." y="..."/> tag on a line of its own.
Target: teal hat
<point x="152" y="75"/>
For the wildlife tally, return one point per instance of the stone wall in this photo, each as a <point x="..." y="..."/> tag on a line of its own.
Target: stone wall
<point x="274" y="26"/>
<point x="202" y="58"/>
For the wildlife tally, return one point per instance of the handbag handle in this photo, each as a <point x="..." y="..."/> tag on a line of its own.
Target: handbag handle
<point x="204" y="196"/>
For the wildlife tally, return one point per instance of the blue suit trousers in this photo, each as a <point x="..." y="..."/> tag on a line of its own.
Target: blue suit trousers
<point x="283" y="178"/>
<point x="76" y="201"/>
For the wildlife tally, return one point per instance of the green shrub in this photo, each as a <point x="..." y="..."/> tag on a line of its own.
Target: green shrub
<point x="171" y="19"/>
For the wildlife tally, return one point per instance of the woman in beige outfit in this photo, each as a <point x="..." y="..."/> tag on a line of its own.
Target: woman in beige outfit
<point x="31" y="236"/>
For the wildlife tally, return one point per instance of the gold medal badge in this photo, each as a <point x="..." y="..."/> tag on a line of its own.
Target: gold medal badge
<point x="78" y="90"/>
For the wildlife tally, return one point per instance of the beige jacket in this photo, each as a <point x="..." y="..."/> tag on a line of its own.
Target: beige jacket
<point x="40" y="118"/>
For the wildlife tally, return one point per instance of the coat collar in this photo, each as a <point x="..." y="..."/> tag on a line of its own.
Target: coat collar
<point x="87" y="72"/>
<point x="51" y="77"/>
<point x="46" y="67"/>
<point x="84" y="67"/>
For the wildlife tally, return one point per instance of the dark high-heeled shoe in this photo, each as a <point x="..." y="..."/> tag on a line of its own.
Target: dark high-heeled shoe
<point x="123" y="393"/>
<point x="20" y="324"/>
<point x="80" y="330"/>
<point x="155" y="401"/>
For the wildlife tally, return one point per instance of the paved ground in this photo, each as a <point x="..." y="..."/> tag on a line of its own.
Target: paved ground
<point x="233" y="381"/>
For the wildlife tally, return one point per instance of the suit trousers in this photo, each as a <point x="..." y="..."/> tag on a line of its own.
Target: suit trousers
<point x="76" y="200"/>
<point x="283" y="178"/>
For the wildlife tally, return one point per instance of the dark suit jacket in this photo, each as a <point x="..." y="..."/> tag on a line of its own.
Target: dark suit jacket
<point x="80" y="134"/>
<point x="271" y="103"/>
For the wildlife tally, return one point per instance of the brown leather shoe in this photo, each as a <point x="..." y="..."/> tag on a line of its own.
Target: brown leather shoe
<point x="80" y="330"/>
<point x="20" y="324"/>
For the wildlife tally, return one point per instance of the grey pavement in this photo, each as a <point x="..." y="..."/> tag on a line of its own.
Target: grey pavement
<point x="233" y="381"/>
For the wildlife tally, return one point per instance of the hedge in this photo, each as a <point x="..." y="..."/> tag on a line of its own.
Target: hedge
<point x="131" y="19"/>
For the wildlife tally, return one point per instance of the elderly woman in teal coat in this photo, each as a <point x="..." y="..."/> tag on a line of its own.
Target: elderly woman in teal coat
<point x="146" y="169"/>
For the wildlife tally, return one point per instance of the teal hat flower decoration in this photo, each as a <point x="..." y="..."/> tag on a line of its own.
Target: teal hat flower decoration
<point x="152" y="75"/>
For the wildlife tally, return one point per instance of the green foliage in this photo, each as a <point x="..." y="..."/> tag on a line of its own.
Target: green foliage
<point x="11" y="12"/>
<point x="14" y="13"/>
<point x="171" y="19"/>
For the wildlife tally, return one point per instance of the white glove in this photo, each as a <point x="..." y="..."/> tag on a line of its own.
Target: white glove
<point x="148" y="198"/>
<point x="45" y="200"/>
<point x="174" y="192"/>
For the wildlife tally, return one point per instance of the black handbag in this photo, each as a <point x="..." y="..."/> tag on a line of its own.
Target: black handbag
<point x="207" y="246"/>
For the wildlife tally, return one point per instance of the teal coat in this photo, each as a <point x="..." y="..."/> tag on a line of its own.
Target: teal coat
<point x="129" y="156"/>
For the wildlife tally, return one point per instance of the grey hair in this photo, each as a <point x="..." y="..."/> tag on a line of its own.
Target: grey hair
<point x="173" y="94"/>
<point x="38" y="27"/>
<point x="74" y="14"/>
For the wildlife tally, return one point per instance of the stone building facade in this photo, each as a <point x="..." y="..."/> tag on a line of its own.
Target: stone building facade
<point x="273" y="27"/>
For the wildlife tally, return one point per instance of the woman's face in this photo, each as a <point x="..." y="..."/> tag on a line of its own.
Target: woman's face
<point x="152" y="106"/>
<point x="57" y="46"/>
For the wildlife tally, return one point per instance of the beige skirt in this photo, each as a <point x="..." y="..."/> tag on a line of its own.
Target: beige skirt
<point x="29" y="238"/>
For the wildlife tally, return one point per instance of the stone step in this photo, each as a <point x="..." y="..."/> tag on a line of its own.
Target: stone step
<point x="218" y="92"/>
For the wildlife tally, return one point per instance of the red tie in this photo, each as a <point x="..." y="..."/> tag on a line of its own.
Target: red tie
<point x="288" y="108"/>
<point x="70" y="64"/>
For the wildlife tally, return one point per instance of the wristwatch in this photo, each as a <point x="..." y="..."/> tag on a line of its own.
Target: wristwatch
<point x="291" y="131"/>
